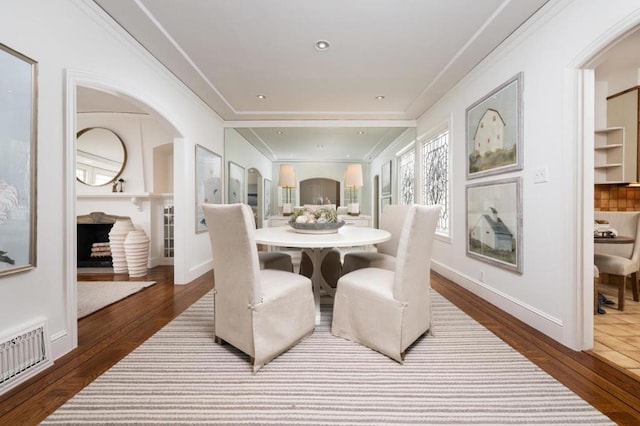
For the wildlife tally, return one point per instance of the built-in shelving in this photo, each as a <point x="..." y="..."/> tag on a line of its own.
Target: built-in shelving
<point x="609" y="152"/>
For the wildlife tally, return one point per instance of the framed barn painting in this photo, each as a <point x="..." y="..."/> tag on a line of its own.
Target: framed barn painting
<point x="494" y="131"/>
<point x="494" y="223"/>
<point x="235" y="181"/>
<point x="208" y="183"/>
<point x="18" y="98"/>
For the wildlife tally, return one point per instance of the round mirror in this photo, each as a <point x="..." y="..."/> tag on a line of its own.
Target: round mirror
<point x="100" y="156"/>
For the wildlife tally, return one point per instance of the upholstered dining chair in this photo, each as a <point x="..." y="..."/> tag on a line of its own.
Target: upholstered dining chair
<point x="275" y="260"/>
<point x="261" y="312"/>
<point x="391" y="219"/>
<point x="388" y="310"/>
<point x="622" y="260"/>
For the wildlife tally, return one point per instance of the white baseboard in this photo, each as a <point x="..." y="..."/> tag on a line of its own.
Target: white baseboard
<point x="541" y="321"/>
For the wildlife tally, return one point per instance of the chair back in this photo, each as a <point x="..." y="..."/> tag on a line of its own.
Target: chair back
<point x="391" y="220"/>
<point x="413" y="259"/>
<point x="627" y="224"/>
<point x="236" y="271"/>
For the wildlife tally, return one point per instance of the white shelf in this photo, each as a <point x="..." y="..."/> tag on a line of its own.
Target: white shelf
<point x="608" y="166"/>
<point x="136" y="198"/>
<point x="604" y="147"/>
<point x="608" y="130"/>
<point x="609" y="155"/>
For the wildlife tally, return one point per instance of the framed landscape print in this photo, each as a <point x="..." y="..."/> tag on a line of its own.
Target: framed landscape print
<point x="385" y="179"/>
<point x="208" y="183"/>
<point x="494" y="223"/>
<point x="494" y="131"/>
<point x="235" y="181"/>
<point x="266" y="198"/>
<point x="18" y="98"/>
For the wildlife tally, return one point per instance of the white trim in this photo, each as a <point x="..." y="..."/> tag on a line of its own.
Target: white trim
<point x="319" y="123"/>
<point x="527" y="314"/>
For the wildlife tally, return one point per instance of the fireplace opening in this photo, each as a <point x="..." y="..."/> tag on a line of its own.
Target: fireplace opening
<point x="93" y="245"/>
<point x="93" y="240"/>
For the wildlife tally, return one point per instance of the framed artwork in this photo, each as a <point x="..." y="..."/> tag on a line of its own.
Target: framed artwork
<point x="235" y="181"/>
<point x="18" y="106"/>
<point x="494" y="223"/>
<point x="384" y="201"/>
<point x="266" y="198"/>
<point x="208" y="183"/>
<point x="494" y="131"/>
<point x="385" y="186"/>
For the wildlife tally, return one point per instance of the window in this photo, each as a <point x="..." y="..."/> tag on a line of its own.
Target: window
<point x="406" y="176"/>
<point x="435" y="176"/>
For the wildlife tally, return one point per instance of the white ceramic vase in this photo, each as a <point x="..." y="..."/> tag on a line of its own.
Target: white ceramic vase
<point x="136" y="247"/>
<point x="117" y="235"/>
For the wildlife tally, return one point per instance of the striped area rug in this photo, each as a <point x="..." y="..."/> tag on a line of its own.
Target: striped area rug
<point x="462" y="374"/>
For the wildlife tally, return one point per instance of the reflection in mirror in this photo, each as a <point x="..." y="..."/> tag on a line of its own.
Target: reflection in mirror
<point x="319" y="152"/>
<point x="254" y="194"/>
<point x="100" y="156"/>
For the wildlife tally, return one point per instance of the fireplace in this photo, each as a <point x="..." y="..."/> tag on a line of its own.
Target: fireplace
<point x="93" y="239"/>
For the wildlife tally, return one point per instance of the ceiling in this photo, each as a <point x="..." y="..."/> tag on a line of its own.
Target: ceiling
<point x="411" y="52"/>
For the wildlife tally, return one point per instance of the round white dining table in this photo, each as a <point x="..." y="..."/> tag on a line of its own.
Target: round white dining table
<point x="318" y="245"/>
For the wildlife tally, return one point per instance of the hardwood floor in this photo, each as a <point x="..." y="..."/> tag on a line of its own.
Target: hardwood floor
<point x="108" y="335"/>
<point x="617" y="333"/>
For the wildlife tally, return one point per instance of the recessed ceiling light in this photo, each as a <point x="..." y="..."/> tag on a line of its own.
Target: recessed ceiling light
<point x="261" y="97"/>
<point x="380" y="97"/>
<point x="321" y="45"/>
<point x="279" y="132"/>
<point x="361" y="132"/>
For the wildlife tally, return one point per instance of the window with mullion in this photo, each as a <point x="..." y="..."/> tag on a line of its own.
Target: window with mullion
<point x="406" y="176"/>
<point x="435" y="177"/>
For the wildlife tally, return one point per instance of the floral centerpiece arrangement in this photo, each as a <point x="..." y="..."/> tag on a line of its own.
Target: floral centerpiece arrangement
<point x="321" y="215"/>
<point x="321" y="220"/>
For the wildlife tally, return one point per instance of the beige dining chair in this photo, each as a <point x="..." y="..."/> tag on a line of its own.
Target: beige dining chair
<point x="261" y="312"/>
<point x="388" y="310"/>
<point x="391" y="219"/>
<point x="621" y="260"/>
<point x="275" y="260"/>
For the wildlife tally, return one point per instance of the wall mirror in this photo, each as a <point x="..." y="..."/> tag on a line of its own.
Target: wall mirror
<point x="100" y="156"/>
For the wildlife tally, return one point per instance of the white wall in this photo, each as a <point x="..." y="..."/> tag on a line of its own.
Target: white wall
<point x="72" y="40"/>
<point x="545" y="50"/>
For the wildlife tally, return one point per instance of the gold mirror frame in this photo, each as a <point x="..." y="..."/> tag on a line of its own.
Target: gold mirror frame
<point x="95" y="161"/>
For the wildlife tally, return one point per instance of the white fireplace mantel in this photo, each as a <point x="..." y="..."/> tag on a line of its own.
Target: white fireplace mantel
<point x="135" y="198"/>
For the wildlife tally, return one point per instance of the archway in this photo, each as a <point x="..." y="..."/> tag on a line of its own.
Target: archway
<point x="77" y="81"/>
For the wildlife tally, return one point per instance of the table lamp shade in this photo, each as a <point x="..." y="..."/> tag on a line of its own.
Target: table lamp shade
<point x="353" y="177"/>
<point x="287" y="178"/>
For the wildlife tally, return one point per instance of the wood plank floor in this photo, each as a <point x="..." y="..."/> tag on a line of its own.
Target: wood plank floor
<point x="111" y="333"/>
<point x="617" y="333"/>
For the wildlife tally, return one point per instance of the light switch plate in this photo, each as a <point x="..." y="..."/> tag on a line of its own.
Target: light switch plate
<point x="541" y="175"/>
